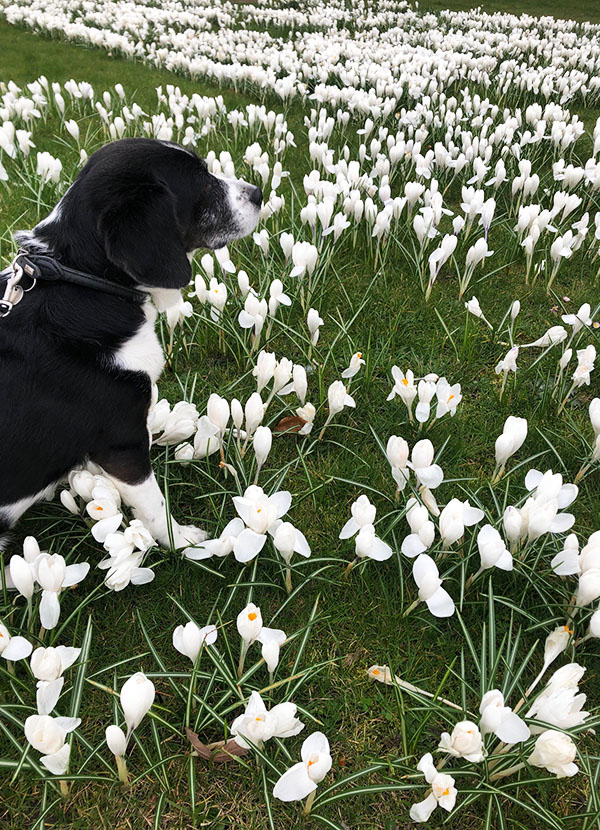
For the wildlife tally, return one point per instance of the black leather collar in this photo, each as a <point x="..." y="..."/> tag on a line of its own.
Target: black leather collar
<point x="43" y="267"/>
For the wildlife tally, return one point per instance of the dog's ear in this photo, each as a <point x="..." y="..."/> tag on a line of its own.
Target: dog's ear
<point x="141" y="235"/>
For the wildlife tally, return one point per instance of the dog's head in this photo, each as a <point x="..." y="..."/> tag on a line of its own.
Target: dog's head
<point x="146" y="204"/>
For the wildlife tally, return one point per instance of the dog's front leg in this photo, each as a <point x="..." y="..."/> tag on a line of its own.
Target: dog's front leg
<point x="132" y="475"/>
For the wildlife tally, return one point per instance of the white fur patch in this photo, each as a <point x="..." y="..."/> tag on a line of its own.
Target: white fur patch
<point x="148" y="504"/>
<point x="11" y="513"/>
<point x="143" y="352"/>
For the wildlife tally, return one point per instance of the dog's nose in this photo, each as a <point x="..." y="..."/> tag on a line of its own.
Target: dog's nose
<point x="256" y="196"/>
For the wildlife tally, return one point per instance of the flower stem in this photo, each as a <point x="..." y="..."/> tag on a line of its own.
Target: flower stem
<point x="64" y="788"/>
<point x="122" y="770"/>
<point x="411" y="607"/>
<point x="243" y="653"/>
<point x="349" y="568"/>
<point x="505" y="772"/>
<point x="309" y="803"/>
<point x="288" y="580"/>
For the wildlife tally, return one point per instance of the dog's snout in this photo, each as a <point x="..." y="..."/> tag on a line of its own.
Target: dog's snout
<point x="256" y="196"/>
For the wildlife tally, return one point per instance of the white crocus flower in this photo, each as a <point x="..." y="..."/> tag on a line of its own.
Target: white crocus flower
<point x="217" y="297"/>
<point x="304" y="257"/>
<point x="464" y="742"/>
<point x="137" y="697"/>
<point x="492" y="550"/>
<point x="443" y="792"/>
<point x="337" y="398"/>
<point x="301" y="780"/>
<point x="21" y="574"/>
<point x="423" y="529"/>
<point x="426" y="575"/>
<point x="428" y="474"/>
<point x="579" y="320"/>
<point x="271" y="640"/>
<point x="188" y="639"/>
<point x="555" y="752"/>
<point x="105" y="512"/>
<point x="47" y="666"/>
<point x="277" y="297"/>
<point x="262" y="441"/>
<point x="289" y="540"/>
<point x="585" y="363"/>
<point x="367" y="544"/>
<point x="314" y="322"/>
<point x="258" y="724"/>
<point x="266" y="363"/>
<point x="53" y="575"/>
<point x="363" y="514"/>
<point x="448" y="398"/>
<point x="513" y="435"/>
<point x="221" y="546"/>
<point x="397" y="455"/>
<point x="356" y="362"/>
<point x="554" y="335"/>
<point x="500" y="719"/>
<point x="404" y="387"/>
<point x="307" y="414"/>
<point x="260" y="513"/>
<point x="47" y="735"/>
<point x="454" y="518"/>
<point x="299" y="384"/>
<point x="426" y="391"/>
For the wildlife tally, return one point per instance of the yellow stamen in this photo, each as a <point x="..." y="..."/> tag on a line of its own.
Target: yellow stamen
<point x="404" y="381"/>
<point x="446" y="791"/>
<point x="359" y="355"/>
<point x="567" y="629"/>
<point x="450" y="398"/>
<point x="252" y="616"/>
<point x="375" y="671"/>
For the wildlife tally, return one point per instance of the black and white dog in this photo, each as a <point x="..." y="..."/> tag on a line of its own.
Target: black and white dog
<point x="76" y="363"/>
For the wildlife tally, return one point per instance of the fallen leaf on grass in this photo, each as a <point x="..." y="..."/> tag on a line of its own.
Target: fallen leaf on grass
<point x="219" y="752"/>
<point x="291" y="423"/>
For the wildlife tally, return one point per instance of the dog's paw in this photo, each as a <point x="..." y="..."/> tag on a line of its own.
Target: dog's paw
<point x="188" y="535"/>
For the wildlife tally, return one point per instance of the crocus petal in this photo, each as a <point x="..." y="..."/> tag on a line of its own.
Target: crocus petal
<point x="49" y="609"/>
<point x="423" y="809"/>
<point x="424" y="569"/>
<point x="512" y="730"/>
<point x="282" y="501"/>
<point x="567" y="495"/>
<point x="562" y="522"/>
<point x="141" y="576"/>
<point x="431" y="476"/>
<point x="58" y="762"/>
<point x="472" y="515"/>
<point x="67" y="724"/>
<point x="17" y="649"/>
<point x="75" y="573"/>
<point x="532" y="479"/>
<point x="350" y="528"/>
<point x="412" y="546"/>
<point x="441" y="603"/>
<point x="105" y="526"/>
<point x="294" y="784"/>
<point x="47" y="695"/>
<point x="380" y="550"/>
<point x="248" y="545"/>
<point x="302" y="547"/>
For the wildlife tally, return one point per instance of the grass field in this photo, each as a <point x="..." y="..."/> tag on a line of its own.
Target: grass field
<point x="378" y="310"/>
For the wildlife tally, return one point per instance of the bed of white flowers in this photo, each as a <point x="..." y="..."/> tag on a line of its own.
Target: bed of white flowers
<point x="458" y="148"/>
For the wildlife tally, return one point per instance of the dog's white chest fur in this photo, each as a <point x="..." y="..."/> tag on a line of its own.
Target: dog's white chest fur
<point x="143" y="352"/>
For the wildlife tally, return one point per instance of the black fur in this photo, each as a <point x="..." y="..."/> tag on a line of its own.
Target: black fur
<point x="132" y="215"/>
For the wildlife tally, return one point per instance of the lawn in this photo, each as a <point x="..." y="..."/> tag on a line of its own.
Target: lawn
<point x="371" y="303"/>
